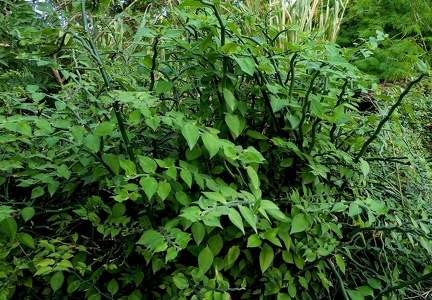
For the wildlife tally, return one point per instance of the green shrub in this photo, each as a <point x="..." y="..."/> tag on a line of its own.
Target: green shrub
<point x="206" y="164"/>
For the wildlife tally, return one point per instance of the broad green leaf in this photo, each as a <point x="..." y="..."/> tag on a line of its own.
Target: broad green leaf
<point x="317" y="109"/>
<point x="277" y="103"/>
<point x="164" y="86"/>
<point x="164" y="188"/>
<point x="205" y="259"/>
<point x="299" y="223"/>
<point x="118" y="210"/>
<point x="211" y="142"/>
<point x="253" y="176"/>
<point x="198" y="232"/>
<point x="44" y="125"/>
<point x="128" y="166"/>
<point x="273" y="210"/>
<point x="187" y="177"/>
<point x="354" y="209"/>
<point x="236" y="124"/>
<point x="145" y="32"/>
<point x="253" y="241"/>
<point x="374" y="283"/>
<point x="249" y="216"/>
<point x="9" y="227"/>
<point x="73" y="286"/>
<point x="230" y="100"/>
<point x="270" y="235"/>
<point x="340" y="262"/>
<point x="32" y="88"/>
<point x="149" y="185"/>
<point x="26" y="239"/>
<point x="92" y="142"/>
<point x="266" y="257"/>
<point x="112" y="161"/>
<point x="153" y="122"/>
<point x="57" y="281"/>
<point x="364" y="167"/>
<point x="113" y="287"/>
<point x="231" y="257"/>
<point x="27" y="213"/>
<point x="246" y="64"/>
<point x="236" y="219"/>
<point x="104" y="128"/>
<point x="338" y="207"/>
<point x="147" y="164"/>
<point x="38" y="96"/>
<point x="181" y="281"/>
<point x="24" y="128"/>
<point x="63" y="171"/>
<point x="354" y="295"/>
<point x="251" y="155"/>
<point x="292" y="290"/>
<point x="191" y="134"/>
<point x="5" y="212"/>
<point x="256" y="135"/>
<point x="78" y="134"/>
<point x="365" y="290"/>
<point x="153" y="240"/>
<point x="230" y="48"/>
<point x="37" y="192"/>
<point x="215" y="243"/>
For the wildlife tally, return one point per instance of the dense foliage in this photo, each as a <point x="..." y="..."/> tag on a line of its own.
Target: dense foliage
<point x="398" y="32"/>
<point x="201" y="157"/>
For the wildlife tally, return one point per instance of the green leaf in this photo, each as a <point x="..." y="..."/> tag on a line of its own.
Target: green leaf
<point x="164" y="188"/>
<point x="104" y="128"/>
<point x="113" y="287"/>
<point x="251" y="155"/>
<point x="205" y="259"/>
<point x="230" y="100"/>
<point x="153" y="122"/>
<point x="92" y="142"/>
<point x="215" y="243"/>
<point x="340" y="262"/>
<point x="198" y="232"/>
<point x="180" y="281"/>
<point x="299" y="223"/>
<point x="112" y="161"/>
<point x="187" y="177"/>
<point x="317" y="109"/>
<point x="364" y="167"/>
<point x="191" y="134"/>
<point x="253" y="241"/>
<point x="78" y="134"/>
<point x="26" y="239"/>
<point x="354" y="295"/>
<point x="147" y="164"/>
<point x="118" y="210"/>
<point x="253" y="176"/>
<point x="128" y="166"/>
<point x="374" y="283"/>
<point x="231" y="257"/>
<point x="57" y="281"/>
<point x="150" y="186"/>
<point x="27" y="213"/>
<point x="73" y="286"/>
<point x="24" y="128"/>
<point x="145" y="32"/>
<point x="211" y="142"/>
<point x="236" y="219"/>
<point x="247" y="64"/>
<point x="63" y="171"/>
<point x="266" y="257"/>
<point x="38" y="96"/>
<point x="249" y="216"/>
<point x="354" y="209"/>
<point x="164" y="86"/>
<point x="338" y="207"/>
<point x="153" y="240"/>
<point x="5" y="212"/>
<point x="230" y="48"/>
<point x="37" y="192"/>
<point x="235" y="123"/>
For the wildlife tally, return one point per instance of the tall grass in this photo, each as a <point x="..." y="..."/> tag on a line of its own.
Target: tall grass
<point x="318" y="18"/>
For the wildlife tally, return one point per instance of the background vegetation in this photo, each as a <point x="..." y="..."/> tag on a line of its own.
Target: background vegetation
<point x="194" y="151"/>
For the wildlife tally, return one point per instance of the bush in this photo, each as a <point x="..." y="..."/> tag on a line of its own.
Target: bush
<point x="205" y="164"/>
